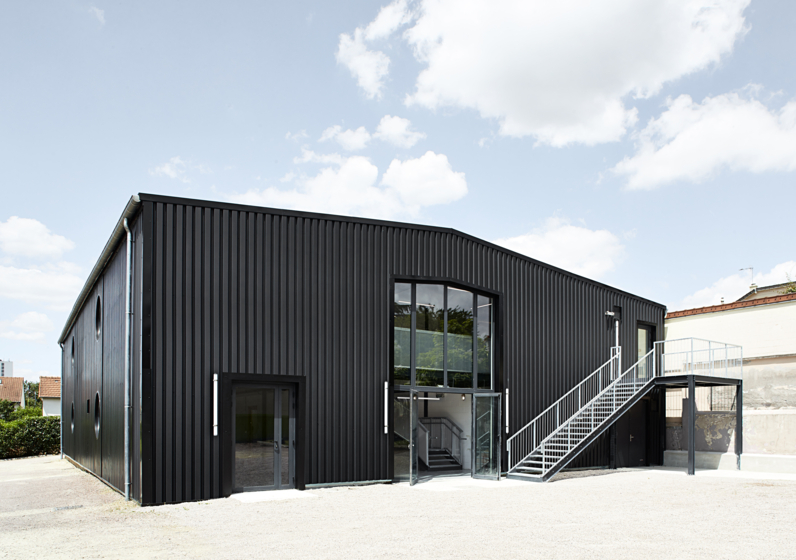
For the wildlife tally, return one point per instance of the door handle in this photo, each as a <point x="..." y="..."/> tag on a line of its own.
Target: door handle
<point x="276" y="446"/>
<point x="631" y="437"/>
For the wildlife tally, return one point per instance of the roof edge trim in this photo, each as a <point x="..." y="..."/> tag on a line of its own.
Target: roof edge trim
<point x="110" y="247"/>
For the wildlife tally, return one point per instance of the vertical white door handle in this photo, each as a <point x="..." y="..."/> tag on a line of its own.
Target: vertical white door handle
<point x="386" y="407"/>
<point x="215" y="404"/>
<point x="507" y="410"/>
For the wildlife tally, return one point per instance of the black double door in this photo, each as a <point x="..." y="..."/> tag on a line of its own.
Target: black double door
<point x="264" y="432"/>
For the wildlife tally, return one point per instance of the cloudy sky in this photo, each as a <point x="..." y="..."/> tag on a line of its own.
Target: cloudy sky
<point x="649" y="145"/>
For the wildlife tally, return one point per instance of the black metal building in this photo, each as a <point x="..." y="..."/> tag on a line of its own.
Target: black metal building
<point x="227" y="300"/>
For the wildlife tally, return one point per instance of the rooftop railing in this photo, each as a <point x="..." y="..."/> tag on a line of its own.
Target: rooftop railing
<point x="696" y="356"/>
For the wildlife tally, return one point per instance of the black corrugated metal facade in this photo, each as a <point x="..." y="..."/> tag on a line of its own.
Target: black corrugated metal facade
<point x="224" y="288"/>
<point x="98" y="369"/>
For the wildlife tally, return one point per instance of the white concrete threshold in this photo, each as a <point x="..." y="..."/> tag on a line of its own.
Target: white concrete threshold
<point x="270" y="496"/>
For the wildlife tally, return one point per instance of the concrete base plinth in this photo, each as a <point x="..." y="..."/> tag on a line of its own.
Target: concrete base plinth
<point x="753" y="462"/>
<point x="759" y="462"/>
<point x="704" y="460"/>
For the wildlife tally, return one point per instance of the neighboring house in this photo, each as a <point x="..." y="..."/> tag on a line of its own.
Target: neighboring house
<point x="756" y="292"/>
<point x="13" y="389"/>
<point x="6" y="368"/>
<point x="764" y="322"/>
<point x="50" y="395"/>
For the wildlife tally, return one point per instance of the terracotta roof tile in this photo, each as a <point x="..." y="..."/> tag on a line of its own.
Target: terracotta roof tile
<point x="50" y="387"/>
<point x="729" y="306"/>
<point x="11" y="389"/>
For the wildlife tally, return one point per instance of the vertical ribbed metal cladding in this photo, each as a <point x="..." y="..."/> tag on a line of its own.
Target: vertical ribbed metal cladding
<point x="232" y="289"/>
<point x="98" y="369"/>
<point x="67" y="396"/>
<point x="113" y="333"/>
<point x="136" y="377"/>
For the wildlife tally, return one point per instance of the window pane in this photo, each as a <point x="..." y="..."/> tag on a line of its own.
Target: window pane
<point x="643" y="343"/>
<point x="485" y="327"/>
<point x="460" y="338"/>
<point x="401" y="435"/>
<point x="429" y="339"/>
<point x="254" y="437"/>
<point x="402" y="317"/>
<point x="284" y="444"/>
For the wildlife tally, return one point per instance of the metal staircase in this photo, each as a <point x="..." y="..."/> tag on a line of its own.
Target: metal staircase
<point x="442" y="459"/>
<point x="553" y="439"/>
<point x="440" y="443"/>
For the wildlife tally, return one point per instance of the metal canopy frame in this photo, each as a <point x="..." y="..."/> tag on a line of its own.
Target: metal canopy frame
<point x="691" y="382"/>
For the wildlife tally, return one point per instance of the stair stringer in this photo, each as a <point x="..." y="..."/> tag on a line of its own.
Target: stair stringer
<point x="588" y="440"/>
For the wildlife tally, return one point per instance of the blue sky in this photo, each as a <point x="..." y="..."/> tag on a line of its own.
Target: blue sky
<point x="649" y="145"/>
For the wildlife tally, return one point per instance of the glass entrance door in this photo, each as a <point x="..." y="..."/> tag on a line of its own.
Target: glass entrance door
<point x="264" y="438"/>
<point x="486" y="436"/>
<point x="405" y="436"/>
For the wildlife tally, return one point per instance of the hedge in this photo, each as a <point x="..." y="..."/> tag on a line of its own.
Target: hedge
<point x="30" y="436"/>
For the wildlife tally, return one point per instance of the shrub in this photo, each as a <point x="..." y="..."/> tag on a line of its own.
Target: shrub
<point x="27" y="412"/>
<point x="6" y="408"/>
<point x="30" y="436"/>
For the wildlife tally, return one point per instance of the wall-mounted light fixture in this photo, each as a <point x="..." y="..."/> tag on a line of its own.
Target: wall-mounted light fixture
<point x="463" y="397"/>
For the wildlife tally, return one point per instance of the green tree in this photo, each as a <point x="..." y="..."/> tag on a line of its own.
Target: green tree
<point x="31" y="394"/>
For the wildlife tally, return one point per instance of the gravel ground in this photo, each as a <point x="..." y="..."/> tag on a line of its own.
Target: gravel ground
<point x="639" y="513"/>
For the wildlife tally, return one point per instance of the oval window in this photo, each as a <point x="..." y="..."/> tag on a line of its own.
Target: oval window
<point x="97" y="415"/>
<point x="73" y="417"/>
<point x="98" y="318"/>
<point x="73" y="351"/>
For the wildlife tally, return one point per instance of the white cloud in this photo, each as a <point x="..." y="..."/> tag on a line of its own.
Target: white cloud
<point x="97" y="13"/>
<point x="558" y="71"/>
<point x="308" y="156"/>
<point x="370" y="67"/>
<point x="350" y="140"/>
<point x="395" y="130"/>
<point x="693" y="141"/>
<point x="297" y="136"/>
<point x="734" y="286"/>
<point x="25" y="237"/>
<point x="30" y="326"/>
<point x="350" y="187"/>
<point x="591" y="253"/>
<point x="55" y="287"/>
<point x="425" y="181"/>
<point x="390" y="18"/>
<point x="177" y="168"/>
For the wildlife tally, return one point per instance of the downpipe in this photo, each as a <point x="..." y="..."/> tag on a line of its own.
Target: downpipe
<point x="61" y="344"/>
<point x="127" y="362"/>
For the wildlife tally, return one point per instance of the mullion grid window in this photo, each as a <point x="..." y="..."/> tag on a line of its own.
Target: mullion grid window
<point x="413" y="337"/>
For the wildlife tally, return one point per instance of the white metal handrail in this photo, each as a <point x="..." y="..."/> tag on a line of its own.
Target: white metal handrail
<point x="528" y="438"/>
<point x="594" y="414"/>
<point x="696" y="356"/>
<point x="549" y="437"/>
<point x="449" y="434"/>
<point x="423" y="438"/>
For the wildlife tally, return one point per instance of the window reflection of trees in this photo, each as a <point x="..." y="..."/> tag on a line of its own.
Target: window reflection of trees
<point x="430" y="342"/>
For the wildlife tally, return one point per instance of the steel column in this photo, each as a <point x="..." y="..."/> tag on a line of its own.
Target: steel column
<point x="691" y="425"/>
<point x="739" y="422"/>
